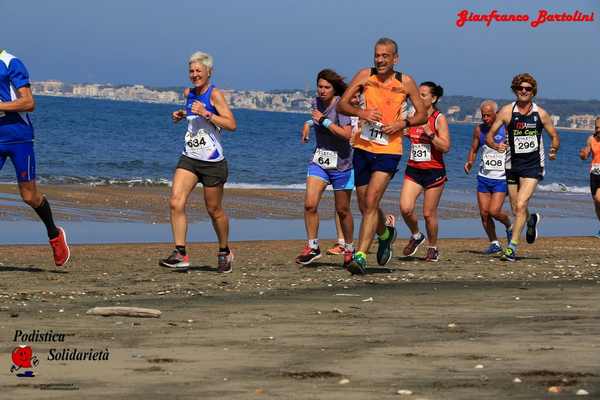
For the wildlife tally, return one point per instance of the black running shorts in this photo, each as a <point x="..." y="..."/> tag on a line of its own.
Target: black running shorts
<point x="427" y="178"/>
<point x="512" y="175"/>
<point x="594" y="183"/>
<point x="210" y="174"/>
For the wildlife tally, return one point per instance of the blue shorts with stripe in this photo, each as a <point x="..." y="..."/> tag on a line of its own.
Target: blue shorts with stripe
<point x="487" y="185"/>
<point x="22" y="157"/>
<point x="339" y="180"/>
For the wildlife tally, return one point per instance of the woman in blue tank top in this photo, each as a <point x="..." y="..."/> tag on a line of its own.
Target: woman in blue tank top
<point x="202" y="161"/>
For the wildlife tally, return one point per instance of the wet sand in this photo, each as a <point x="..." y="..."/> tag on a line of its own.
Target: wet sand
<point x="151" y="204"/>
<point x="463" y="328"/>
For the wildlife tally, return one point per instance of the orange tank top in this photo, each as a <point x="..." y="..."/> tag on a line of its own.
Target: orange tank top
<point x="390" y="99"/>
<point x="595" y="167"/>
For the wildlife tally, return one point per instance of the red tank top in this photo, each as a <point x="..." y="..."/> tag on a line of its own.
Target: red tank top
<point x="423" y="154"/>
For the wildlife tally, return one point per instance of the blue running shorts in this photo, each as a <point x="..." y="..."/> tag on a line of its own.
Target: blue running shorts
<point x="487" y="185"/>
<point x="340" y="180"/>
<point x="22" y="157"/>
<point x="365" y="163"/>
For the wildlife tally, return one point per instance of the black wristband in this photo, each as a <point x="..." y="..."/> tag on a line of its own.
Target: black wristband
<point x="406" y="122"/>
<point x="323" y="118"/>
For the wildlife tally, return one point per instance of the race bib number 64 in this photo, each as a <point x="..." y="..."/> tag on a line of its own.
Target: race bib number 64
<point x="326" y="159"/>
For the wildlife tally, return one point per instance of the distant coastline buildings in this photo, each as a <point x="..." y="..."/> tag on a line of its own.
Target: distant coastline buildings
<point x="277" y="101"/>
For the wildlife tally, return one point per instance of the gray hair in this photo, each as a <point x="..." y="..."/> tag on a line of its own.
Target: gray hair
<point x="384" y="41"/>
<point x="490" y="103"/>
<point x="201" y="58"/>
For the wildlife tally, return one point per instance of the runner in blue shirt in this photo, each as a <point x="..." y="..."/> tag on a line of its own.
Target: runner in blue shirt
<point x="16" y="143"/>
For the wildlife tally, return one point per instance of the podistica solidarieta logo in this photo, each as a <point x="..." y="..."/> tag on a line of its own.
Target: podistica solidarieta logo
<point x="24" y="360"/>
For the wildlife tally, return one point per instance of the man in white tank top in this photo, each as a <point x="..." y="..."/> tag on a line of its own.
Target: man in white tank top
<point x="491" y="179"/>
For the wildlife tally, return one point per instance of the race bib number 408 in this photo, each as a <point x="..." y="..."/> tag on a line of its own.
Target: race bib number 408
<point x="326" y="159"/>
<point x="374" y="133"/>
<point x="525" y="144"/>
<point x="595" y="169"/>
<point x="494" y="161"/>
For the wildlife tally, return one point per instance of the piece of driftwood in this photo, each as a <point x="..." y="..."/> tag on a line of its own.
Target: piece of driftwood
<point x="124" y="312"/>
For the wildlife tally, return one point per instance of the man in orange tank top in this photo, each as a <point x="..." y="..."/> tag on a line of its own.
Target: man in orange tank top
<point x="378" y="144"/>
<point x="592" y="148"/>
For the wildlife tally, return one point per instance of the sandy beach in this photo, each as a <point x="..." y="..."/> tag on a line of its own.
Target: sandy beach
<point x="464" y="328"/>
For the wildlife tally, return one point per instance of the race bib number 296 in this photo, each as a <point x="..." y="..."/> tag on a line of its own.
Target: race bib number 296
<point x="525" y="144"/>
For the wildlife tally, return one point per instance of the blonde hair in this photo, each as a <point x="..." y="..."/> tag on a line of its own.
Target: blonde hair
<point x="201" y="58"/>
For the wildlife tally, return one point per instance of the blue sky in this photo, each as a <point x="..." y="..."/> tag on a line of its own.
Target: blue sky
<point x="269" y="44"/>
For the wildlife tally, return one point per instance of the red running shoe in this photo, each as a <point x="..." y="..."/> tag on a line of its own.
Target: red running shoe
<point x="348" y="254"/>
<point x="336" y="250"/>
<point x="60" y="248"/>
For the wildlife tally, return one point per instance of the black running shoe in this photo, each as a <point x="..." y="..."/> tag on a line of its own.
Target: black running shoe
<point x="176" y="261"/>
<point x="413" y="245"/>
<point x="532" y="227"/>
<point x="384" y="250"/>
<point x="308" y="255"/>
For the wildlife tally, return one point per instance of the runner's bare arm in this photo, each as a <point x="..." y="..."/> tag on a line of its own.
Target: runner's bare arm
<point x="549" y="127"/>
<point x="178" y="115"/>
<point x="503" y="118"/>
<point x="305" y="133"/>
<point x="23" y="103"/>
<point x="345" y="107"/>
<point x="441" y="141"/>
<point x="472" y="155"/>
<point x="420" y="115"/>
<point x="584" y="153"/>
<point x="342" y="131"/>
<point x="225" y="119"/>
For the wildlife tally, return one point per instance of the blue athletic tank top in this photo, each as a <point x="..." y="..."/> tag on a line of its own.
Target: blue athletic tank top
<point x="204" y="98"/>
<point x="203" y="138"/>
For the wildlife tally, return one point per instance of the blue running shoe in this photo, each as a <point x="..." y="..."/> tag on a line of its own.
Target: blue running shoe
<point x="358" y="265"/>
<point x="509" y="254"/>
<point x="493" y="249"/>
<point x="598" y="235"/>
<point x="384" y="250"/>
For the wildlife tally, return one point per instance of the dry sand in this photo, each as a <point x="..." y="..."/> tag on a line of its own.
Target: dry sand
<point x="463" y="328"/>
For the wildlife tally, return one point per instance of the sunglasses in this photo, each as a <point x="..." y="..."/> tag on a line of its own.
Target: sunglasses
<point x="526" y="88"/>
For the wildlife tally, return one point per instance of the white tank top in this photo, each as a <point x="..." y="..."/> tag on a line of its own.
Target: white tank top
<point x="492" y="165"/>
<point x="203" y="140"/>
